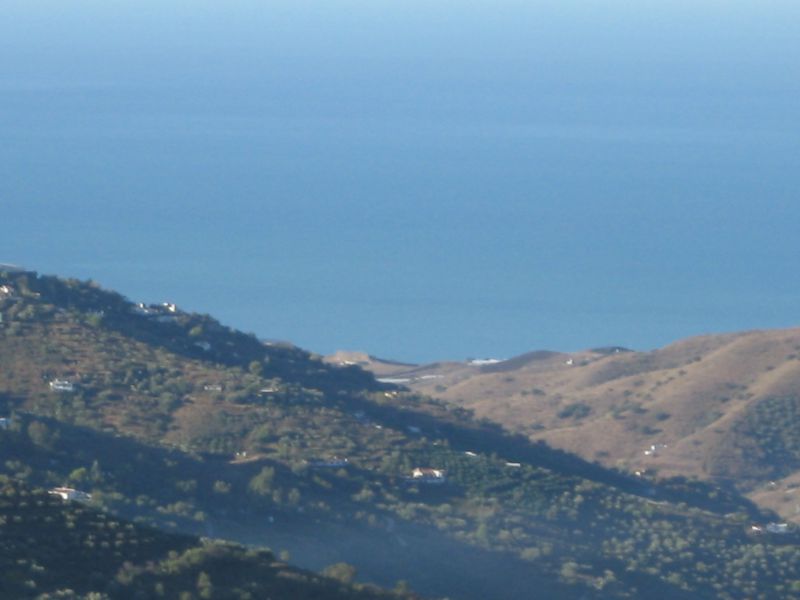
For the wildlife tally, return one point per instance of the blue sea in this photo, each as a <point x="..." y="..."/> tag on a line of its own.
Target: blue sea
<point x="419" y="180"/>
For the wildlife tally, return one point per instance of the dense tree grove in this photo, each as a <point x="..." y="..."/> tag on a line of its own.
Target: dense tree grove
<point x="55" y="550"/>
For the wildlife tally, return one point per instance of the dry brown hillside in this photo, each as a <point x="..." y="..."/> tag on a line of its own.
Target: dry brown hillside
<point x="721" y="407"/>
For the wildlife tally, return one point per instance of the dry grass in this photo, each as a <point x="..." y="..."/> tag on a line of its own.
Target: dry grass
<point x="691" y="399"/>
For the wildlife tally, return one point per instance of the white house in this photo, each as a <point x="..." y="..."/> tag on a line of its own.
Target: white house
<point x="62" y="385"/>
<point x="427" y="475"/>
<point x="778" y="528"/>
<point x="653" y="449"/>
<point x="70" y="494"/>
<point x="142" y="309"/>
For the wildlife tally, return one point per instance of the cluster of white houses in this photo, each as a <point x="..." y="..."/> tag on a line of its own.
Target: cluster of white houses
<point x="166" y="312"/>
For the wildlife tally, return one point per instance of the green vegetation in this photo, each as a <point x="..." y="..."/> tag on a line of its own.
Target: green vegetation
<point x="575" y="410"/>
<point x="774" y="424"/>
<point x="53" y="549"/>
<point x="247" y="441"/>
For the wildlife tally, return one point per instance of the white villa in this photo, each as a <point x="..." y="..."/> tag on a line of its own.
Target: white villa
<point x="71" y="494"/>
<point x="62" y="385"/>
<point x="427" y="475"/>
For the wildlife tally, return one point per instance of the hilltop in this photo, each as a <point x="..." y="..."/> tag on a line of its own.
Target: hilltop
<point x="723" y="408"/>
<point x="173" y="421"/>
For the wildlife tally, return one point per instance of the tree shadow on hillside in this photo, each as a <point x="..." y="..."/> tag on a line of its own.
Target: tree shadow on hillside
<point x="489" y="438"/>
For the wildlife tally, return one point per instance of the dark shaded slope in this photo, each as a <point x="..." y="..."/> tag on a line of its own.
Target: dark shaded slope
<point x="57" y="547"/>
<point x="487" y="438"/>
<point x="139" y="482"/>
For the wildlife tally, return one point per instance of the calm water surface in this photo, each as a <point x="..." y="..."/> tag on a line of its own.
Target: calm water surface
<point x="425" y="181"/>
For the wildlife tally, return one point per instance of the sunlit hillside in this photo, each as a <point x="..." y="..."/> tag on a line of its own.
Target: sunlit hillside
<point x="177" y="422"/>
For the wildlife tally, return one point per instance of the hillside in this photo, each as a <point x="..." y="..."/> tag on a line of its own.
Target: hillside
<point x="174" y="421"/>
<point x="724" y="408"/>
<point x="54" y="548"/>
